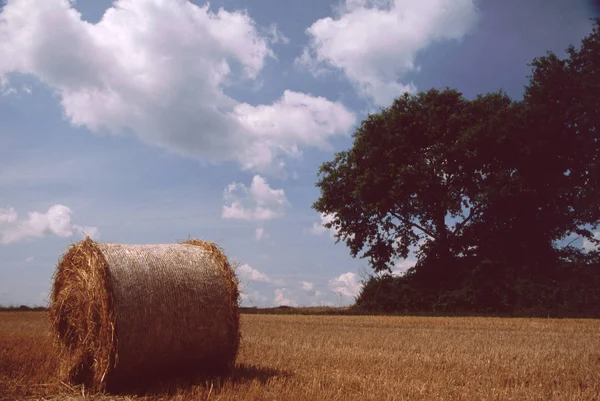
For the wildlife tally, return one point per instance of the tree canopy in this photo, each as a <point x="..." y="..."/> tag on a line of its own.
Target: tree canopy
<point x="417" y="174"/>
<point x="488" y="178"/>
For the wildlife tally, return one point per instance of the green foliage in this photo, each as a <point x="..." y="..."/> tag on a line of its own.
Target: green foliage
<point x="414" y="165"/>
<point x="484" y="190"/>
<point x="572" y="291"/>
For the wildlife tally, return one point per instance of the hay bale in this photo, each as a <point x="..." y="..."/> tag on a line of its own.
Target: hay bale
<point x="124" y="312"/>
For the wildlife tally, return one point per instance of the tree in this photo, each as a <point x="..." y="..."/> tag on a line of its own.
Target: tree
<point x="555" y="191"/>
<point x="485" y="179"/>
<point x="417" y="176"/>
<point x="561" y="140"/>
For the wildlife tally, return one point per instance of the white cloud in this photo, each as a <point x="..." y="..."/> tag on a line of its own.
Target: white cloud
<point x="8" y="215"/>
<point x="29" y="259"/>
<point x="282" y="299"/>
<point x="253" y="297"/>
<point x="346" y="284"/>
<point x="259" y="202"/>
<point x="4" y="91"/>
<point x="5" y="88"/>
<point x="275" y="35"/>
<point x="260" y="233"/>
<point x="158" y="69"/>
<point x="401" y="267"/>
<point x="249" y="273"/>
<point x="57" y="221"/>
<point x="317" y="300"/>
<point x="375" y="42"/>
<point x="587" y="244"/>
<point x="318" y="227"/>
<point x="295" y="120"/>
<point x="306" y="286"/>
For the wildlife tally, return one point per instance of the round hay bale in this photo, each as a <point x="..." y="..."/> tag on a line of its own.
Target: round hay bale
<point x="124" y="312"/>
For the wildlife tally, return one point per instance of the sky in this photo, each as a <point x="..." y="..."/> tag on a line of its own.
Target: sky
<point x="152" y="121"/>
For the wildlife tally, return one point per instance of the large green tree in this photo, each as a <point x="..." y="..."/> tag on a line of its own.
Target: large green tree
<point x="482" y="178"/>
<point x="554" y="192"/>
<point x="417" y="175"/>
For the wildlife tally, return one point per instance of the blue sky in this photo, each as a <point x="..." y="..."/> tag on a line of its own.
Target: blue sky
<point x="149" y="121"/>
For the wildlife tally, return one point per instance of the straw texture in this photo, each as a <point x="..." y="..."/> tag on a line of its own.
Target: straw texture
<point x="124" y="312"/>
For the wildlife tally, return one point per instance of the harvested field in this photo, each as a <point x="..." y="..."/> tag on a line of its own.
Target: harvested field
<point x="352" y="357"/>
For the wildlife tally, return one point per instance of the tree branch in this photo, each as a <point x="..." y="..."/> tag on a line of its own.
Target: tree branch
<point x="569" y="244"/>
<point x="410" y="223"/>
<point x="459" y="226"/>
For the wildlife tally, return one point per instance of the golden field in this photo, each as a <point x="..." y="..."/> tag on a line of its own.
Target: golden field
<point x="293" y="357"/>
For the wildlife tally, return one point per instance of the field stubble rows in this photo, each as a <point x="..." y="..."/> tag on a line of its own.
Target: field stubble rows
<point x="352" y="357"/>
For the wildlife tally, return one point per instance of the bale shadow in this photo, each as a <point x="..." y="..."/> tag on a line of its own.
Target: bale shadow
<point x="188" y="377"/>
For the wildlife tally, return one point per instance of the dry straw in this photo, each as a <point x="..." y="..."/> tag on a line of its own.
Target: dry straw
<point x="127" y="312"/>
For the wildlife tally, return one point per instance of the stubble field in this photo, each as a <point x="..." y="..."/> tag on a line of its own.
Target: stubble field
<point x="295" y="357"/>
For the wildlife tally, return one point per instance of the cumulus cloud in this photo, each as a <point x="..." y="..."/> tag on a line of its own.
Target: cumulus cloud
<point x="296" y="120"/>
<point x="318" y="228"/>
<point x="281" y="298"/>
<point x="346" y="284"/>
<point x="8" y="215"/>
<point x="258" y="202"/>
<point x="249" y="273"/>
<point x="275" y="35"/>
<point x="7" y="91"/>
<point x="319" y="300"/>
<point x="5" y="88"/>
<point x="56" y="221"/>
<point x="253" y="297"/>
<point x="158" y="69"/>
<point x="374" y="43"/>
<point x="306" y="286"/>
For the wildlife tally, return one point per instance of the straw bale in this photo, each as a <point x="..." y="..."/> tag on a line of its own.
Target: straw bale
<point x="123" y="312"/>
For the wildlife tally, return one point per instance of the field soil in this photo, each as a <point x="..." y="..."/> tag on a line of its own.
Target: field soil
<point x="296" y="357"/>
